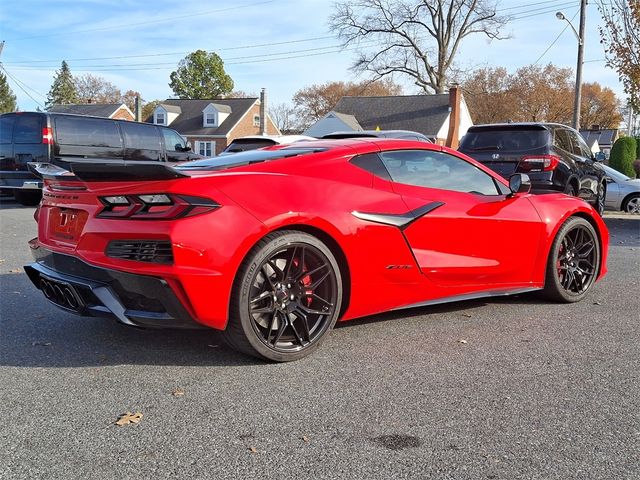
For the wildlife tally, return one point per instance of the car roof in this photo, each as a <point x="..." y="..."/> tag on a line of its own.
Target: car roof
<point x="375" y="133"/>
<point x="275" y="138"/>
<point x="518" y="125"/>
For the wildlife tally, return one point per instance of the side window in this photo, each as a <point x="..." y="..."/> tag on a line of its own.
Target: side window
<point x="562" y="141"/>
<point x="371" y="163"/>
<point x="577" y="147"/>
<point x="426" y="168"/>
<point x="6" y="128"/>
<point x="582" y="146"/>
<point x="139" y="136"/>
<point x="27" y="129"/>
<point x="172" y="141"/>
<point x="88" y="132"/>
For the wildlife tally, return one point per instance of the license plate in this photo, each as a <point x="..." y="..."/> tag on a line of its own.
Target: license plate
<point x="66" y="224"/>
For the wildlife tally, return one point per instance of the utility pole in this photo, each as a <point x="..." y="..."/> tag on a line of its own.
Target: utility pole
<point x="1" y="47"/>
<point x="578" y="95"/>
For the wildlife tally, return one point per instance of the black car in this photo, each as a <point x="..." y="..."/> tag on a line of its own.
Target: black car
<point x="400" y="134"/>
<point x="58" y="137"/>
<point x="554" y="156"/>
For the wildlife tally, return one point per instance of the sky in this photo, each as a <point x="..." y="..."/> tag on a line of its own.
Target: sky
<point x="280" y="45"/>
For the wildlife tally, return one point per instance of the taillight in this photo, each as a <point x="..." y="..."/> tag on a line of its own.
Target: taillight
<point x="155" y="206"/>
<point x="539" y="163"/>
<point x="47" y="136"/>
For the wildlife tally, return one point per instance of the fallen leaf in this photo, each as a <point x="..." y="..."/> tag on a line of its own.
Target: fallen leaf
<point x="597" y="303"/>
<point x="253" y="449"/>
<point x="462" y="341"/>
<point x="178" y="392"/>
<point x="305" y="439"/>
<point x="41" y="344"/>
<point x="38" y="316"/>
<point x="15" y="270"/>
<point x="467" y="315"/>
<point x="127" y="418"/>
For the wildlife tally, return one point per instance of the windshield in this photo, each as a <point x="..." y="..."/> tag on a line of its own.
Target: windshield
<point x="507" y="139"/>
<point x="616" y="175"/>
<point x="246" y="158"/>
<point x="249" y="144"/>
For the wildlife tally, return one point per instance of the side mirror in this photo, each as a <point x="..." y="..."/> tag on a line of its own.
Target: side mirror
<point x="519" y="183"/>
<point x="187" y="147"/>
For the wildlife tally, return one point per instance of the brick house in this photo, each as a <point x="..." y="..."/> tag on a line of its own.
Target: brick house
<point x="107" y="110"/>
<point x="443" y="117"/>
<point x="210" y="125"/>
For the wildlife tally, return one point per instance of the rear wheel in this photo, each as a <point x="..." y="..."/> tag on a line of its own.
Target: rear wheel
<point x="632" y="204"/>
<point x="570" y="189"/>
<point x="286" y="298"/>
<point x="27" y="197"/>
<point x="573" y="261"/>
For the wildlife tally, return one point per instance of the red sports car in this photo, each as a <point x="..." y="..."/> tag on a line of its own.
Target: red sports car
<point x="274" y="246"/>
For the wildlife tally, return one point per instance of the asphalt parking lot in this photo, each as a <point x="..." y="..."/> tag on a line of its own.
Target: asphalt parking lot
<point x="512" y="388"/>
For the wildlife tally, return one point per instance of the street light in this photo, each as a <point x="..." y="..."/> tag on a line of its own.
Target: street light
<point x="580" y="36"/>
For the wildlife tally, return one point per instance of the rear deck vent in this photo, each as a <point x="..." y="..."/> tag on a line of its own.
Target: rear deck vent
<point x="141" y="251"/>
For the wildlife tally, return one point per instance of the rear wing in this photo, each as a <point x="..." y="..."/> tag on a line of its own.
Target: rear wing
<point x="106" y="171"/>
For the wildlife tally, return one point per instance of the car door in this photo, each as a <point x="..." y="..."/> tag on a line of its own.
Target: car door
<point x="468" y="230"/>
<point x="141" y="141"/>
<point x="589" y="175"/>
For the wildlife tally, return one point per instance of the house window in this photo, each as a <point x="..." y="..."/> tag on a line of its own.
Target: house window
<point x="160" y="120"/>
<point x="209" y="118"/>
<point x="207" y="148"/>
<point x="256" y="120"/>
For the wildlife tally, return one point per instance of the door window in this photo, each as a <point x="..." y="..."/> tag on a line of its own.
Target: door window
<point x="140" y="137"/>
<point x="27" y="129"/>
<point x="173" y="142"/>
<point x="89" y="132"/>
<point x="6" y="128"/>
<point x="426" y="168"/>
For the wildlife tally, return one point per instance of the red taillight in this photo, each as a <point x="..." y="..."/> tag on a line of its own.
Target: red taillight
<point x="156" y="206"/>
<point x="539" y="163"/>
<point x="47" y="136"/>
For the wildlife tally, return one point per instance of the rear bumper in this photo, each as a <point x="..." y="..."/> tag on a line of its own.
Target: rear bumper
<point x="19" y="179"/>
<point x="83" y="289"/>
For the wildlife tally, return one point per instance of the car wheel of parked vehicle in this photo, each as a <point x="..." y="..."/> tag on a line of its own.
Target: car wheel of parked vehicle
<point x="27" y="197"/>
<point x="286" y="297"/>
<point x="573" y="261"/>
<point x="570" y="189"/>
<point x="600" y="198"/>
<point x="632" y="204"/>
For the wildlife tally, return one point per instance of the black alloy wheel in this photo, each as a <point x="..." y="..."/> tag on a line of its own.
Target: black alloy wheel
<point x="287" y="297"/>
<point x="573" y="262"/>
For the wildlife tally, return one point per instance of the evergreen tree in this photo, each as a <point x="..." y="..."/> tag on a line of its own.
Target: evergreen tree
<point x="7" y="98"/>
<point x="200" y="75"/>
<point x="63" y="90"/>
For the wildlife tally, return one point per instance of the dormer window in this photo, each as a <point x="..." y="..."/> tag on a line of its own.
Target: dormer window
<point x="210" y="119"/>
<point x="160" y="118"/>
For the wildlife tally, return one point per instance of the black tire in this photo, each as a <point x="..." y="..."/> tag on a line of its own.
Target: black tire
<point x="600" y="199"/>
<point x="286" y="297"/>
<point x="573" y="262"/>
<point x="632" y="204"/>
<point x="570" y="190"/>
<point x="28" y="198"/>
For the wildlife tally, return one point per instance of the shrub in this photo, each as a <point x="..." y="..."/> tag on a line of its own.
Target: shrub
<point x="623" y="153"/>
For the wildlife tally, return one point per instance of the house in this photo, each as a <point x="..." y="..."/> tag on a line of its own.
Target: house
<point x="210" y="125"/>
<point x="428" y="114"/>
<point x="605" y="138"/>
<point x="107" y="110"/>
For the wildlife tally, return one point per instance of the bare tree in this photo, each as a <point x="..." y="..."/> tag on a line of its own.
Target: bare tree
<point x="284" y="116"/>
<point x="415" y="38"/>
<point x="95" y="89"/>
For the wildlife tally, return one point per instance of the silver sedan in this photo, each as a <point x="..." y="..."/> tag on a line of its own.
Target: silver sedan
<point x="623" y="193"/>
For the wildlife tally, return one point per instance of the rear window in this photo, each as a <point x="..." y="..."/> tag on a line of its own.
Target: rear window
<point x="87" y="132"/>
<point x="27" y="129"/>
<point x="6" y="128"/>
<point x="140" y="137"/>
<point x="507" y="139"/>
<point x="244" y="145"/>
<point x="246" y="158"/>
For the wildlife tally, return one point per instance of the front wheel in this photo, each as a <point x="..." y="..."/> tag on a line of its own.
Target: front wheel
<point x="573" y="261"/>
<point x="632" y="204"/>
<point x="286" y="297"/>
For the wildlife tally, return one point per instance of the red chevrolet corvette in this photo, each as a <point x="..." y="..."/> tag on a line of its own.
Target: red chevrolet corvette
<point x="274" y="246"/>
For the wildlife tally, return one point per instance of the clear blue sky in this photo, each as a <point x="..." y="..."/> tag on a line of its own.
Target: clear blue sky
<point x="282" y="45"/>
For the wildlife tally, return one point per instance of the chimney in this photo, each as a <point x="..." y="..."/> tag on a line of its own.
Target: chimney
<point x="455" y="95"/>
<point x="263" y="111"/>
<point x="595" y="127"/>
<point x="138" y="107"/>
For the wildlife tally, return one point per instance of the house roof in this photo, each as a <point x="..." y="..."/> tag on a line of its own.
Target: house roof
<point x="222" y="108"/>
<point x="189" y="122"/>
<point x="171" y="108"/>
<point x="349" y="120"/>
<point x="420" y="113"/>
<point x="604" y="137"/>
<point x="91" y="109"/>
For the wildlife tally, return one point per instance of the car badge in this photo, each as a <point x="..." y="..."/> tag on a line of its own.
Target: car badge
<point x="495" y="156"/>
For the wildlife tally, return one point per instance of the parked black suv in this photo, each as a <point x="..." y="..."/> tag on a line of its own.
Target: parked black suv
<point x="555" y="157"/>
<point x="58" y="137"/>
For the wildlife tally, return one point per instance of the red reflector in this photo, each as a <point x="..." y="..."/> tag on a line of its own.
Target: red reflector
<point x="543" y="163"/>
<point x="47" y="136"/>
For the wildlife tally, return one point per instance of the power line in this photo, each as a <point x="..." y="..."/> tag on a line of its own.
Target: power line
<point x="556" y="39"/>
<point x="18" y="83"/>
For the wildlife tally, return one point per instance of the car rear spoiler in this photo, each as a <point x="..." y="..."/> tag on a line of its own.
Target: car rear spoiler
<point x="105" y="171"/>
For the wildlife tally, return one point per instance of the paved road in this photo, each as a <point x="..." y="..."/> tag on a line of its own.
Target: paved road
<point x="538" y="391"/>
